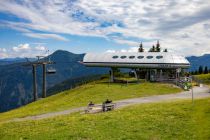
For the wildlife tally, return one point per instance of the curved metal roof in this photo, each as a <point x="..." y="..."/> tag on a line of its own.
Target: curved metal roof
<point x="136" y="59"/>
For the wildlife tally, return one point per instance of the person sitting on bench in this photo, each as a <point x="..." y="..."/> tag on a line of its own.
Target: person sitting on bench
<point x="106" y="108"/>
<point x="91" y="104"/>
<point x="108" y="101"/>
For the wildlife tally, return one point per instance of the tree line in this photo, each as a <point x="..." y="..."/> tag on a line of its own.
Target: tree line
<point x="154" y="48"/>
<point x="201" y="70"/>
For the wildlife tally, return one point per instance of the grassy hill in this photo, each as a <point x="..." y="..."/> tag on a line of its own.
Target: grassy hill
<point x="174" y="120"/>
<point x="168" y="120"/>
<point x="204" y="78"/>
<point x="97" y="92"/>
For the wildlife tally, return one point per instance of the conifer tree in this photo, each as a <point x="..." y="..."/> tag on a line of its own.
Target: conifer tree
<point x="141" y="49"/>
<point x="157" y="49"/>
<point x="165" y="50"/>
<point x="152" y="49"/>
<point x="205" y="70"/>
<point x="196" y="72"/>
<point x="200" y="70"/>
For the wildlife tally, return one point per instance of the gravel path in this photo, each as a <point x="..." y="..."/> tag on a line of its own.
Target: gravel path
<point x="199" y="92"/>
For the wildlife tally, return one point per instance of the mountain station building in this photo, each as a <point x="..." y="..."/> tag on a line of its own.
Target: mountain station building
<point x="152" y="66"/>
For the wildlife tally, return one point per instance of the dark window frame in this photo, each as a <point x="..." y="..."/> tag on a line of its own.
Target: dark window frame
<point x="140" y="57"/>
<point x="131" y="57"/>
<point x="115" y="57"/>
<point x="159" y="57"/>
<point x="123" y="57"/>
<point x="149" y="57"/>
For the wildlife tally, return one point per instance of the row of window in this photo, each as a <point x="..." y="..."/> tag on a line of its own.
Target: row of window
<point x="139" y="57"/>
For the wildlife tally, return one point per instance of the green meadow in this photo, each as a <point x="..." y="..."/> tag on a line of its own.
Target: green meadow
<point x="95" y="91"/>
<point x="204" y="78"/>
<point x="169" y="120"/>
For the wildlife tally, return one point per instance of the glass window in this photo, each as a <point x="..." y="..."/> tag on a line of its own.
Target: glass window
<point x="115" y="56"/>
<point x="159" y="57"/>
<point x="149" y="57"/>
<point x="131" y="57"/>
<point x="140" y="57"/>
<point x="123" y="57"/>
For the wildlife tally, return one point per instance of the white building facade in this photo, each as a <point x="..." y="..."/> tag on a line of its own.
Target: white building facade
<point x="153" y="66"/>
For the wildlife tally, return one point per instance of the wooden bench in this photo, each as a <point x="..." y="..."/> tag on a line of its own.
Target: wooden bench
<point x="110" y="106"/>
<point x="94" y="109"/>
<point x="100" y="108"/>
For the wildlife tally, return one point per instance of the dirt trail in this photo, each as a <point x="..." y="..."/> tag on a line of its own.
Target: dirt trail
<point x="199" y="92"/>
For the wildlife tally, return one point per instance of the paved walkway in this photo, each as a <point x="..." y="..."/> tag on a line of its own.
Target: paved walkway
<point x="199" y="92"/>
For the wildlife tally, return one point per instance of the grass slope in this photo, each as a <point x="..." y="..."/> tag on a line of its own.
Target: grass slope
<point x="175" y="120"/>
<point x="204" y="78"/>
<point x="95" y="91"/>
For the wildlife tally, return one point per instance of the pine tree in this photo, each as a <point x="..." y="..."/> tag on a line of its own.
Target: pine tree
<point x="152" y="49"/>
<point x="157" y="49"/>
<point x="141" y="49"/>
<point x="196" y="72"/>
<point x="165" y="50"/>
<point x="205" y="70"/>
<point x="200" y="70"/>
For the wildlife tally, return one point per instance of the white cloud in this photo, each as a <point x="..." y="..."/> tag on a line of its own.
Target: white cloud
<point x="24" y="50"/>
<point x="46" y="36"/>
<point x="41" y="48"/>
<point x="110" y="51"/>
<point x="131" y="49"/>
<point x="127" y="42"/>
<point x="21" y="47"/>
<point x="3" y="53"/>
<point x="3" y="50"/>
<point x="178" y="24"/>
<point x="123" y="50"/>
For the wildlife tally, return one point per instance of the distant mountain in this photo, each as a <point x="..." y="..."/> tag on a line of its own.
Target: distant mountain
<point x="197" y="61"/>
<point x="16" y="79"/>
<point x="8" y="61"/>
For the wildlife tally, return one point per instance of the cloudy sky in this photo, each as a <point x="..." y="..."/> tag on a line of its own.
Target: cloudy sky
<point x="30" y="27"/>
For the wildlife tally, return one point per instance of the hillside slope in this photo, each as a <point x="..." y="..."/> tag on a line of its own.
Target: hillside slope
<point x="16" y="80"/>
<point x="203" y="78"/>
<point x="174" y="120"/>
<point x="95" y="91"/>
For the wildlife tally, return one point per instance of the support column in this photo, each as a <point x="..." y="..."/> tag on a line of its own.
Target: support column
<point x="111" y="72"/>
<point x="135" y="73"/>
<point x="44" y="81"/>
<point x="34" y="82"/>
<point x="161" y="74"/>
<point x="148" y="75"/>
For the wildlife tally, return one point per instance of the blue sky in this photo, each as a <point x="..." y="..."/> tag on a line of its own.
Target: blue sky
<point x="29" y="28"/>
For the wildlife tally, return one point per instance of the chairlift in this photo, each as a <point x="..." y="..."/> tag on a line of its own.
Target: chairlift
<point x="51" y="70"/>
